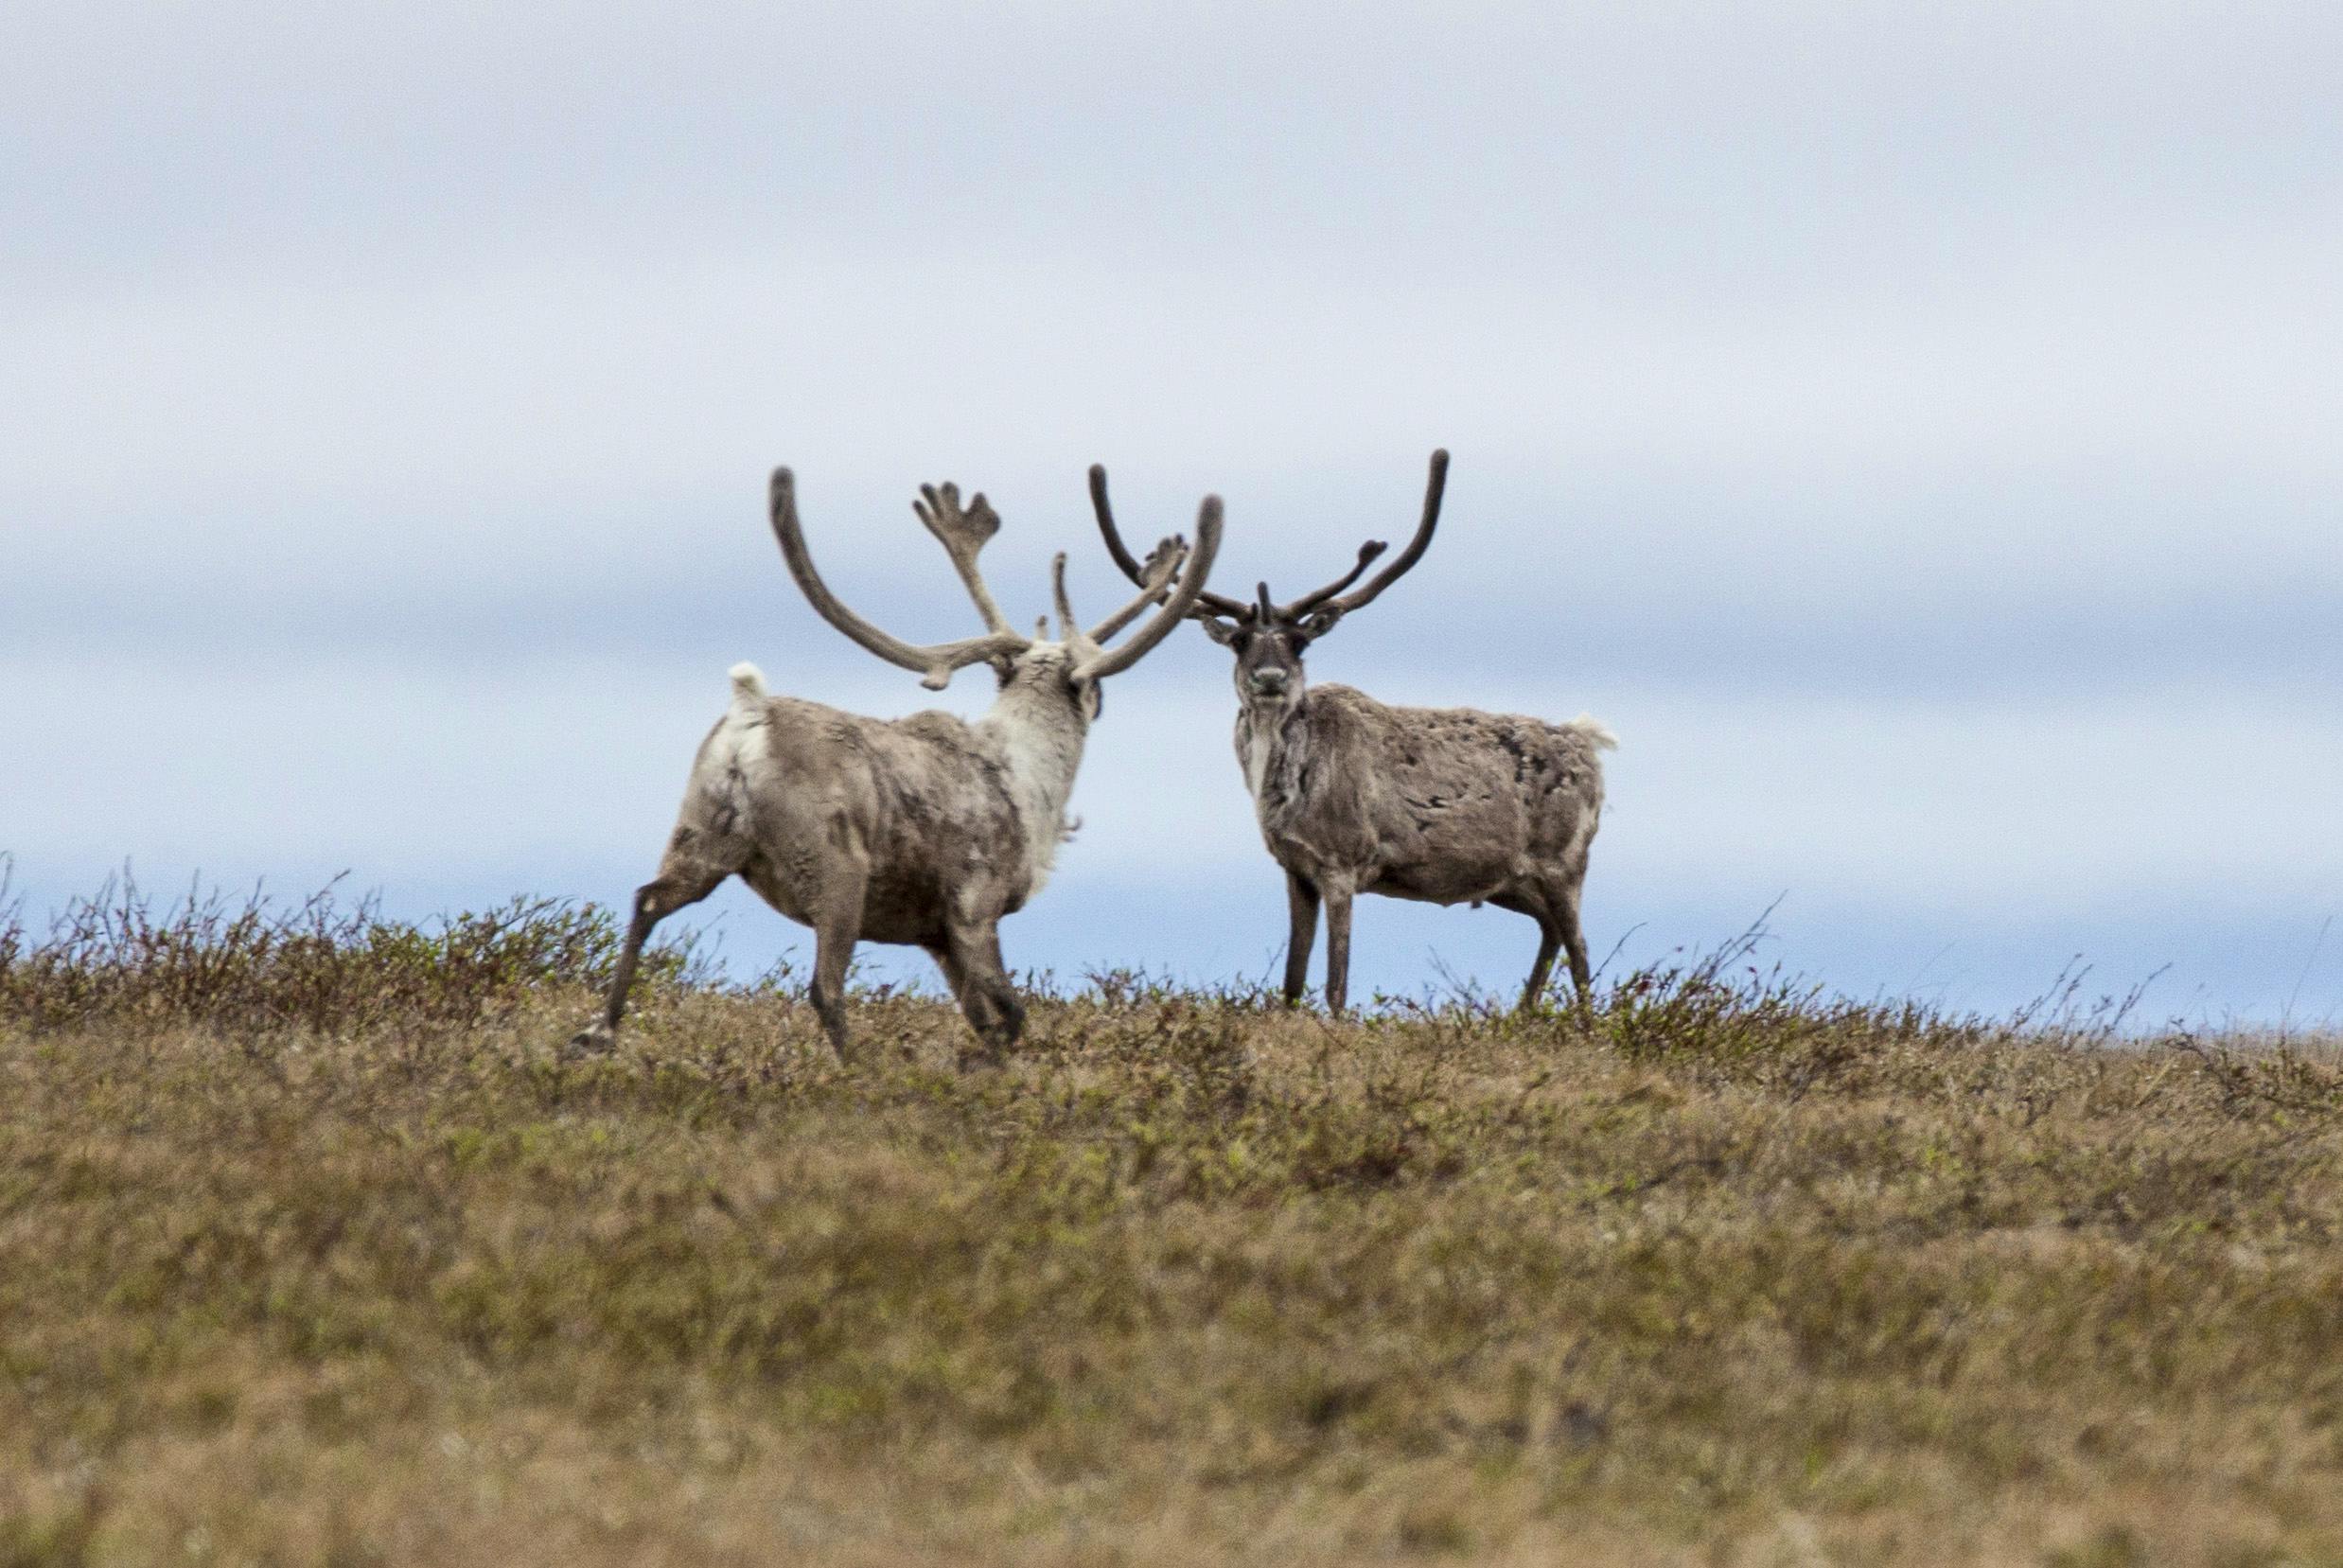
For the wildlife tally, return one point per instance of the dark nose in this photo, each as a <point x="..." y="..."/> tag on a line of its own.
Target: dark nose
<point x="1269" y="680"/>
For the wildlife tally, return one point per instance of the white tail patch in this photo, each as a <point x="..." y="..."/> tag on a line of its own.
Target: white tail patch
<point x="748" y="683"/>
<point x="1597" y="731"/>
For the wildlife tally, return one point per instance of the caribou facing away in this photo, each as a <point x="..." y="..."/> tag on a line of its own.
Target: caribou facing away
<point x="1447" y="805"/>
<point x="922" y="831"/>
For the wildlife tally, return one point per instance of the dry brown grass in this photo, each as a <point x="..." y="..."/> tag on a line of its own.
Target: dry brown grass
<point x="1719" y="1275"/>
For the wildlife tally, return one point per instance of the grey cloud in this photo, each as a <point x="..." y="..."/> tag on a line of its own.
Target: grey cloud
<point x="1720" y="142"/>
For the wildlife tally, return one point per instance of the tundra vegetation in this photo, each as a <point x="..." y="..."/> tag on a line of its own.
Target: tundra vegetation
<point x="314" y="1250"/>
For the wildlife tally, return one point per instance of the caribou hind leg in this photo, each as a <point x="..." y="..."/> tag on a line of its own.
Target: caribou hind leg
<point x="1550" y="940"/>
<point x="1581" y="978"/>
<point x="1549" y="943"/>
<point x="838" y="926"/>
<point x="1556" y="914"/>
<point x="1337" y="896"/>
<point x="690" y="870"/>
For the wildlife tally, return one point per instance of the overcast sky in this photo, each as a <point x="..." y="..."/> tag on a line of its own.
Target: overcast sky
<point x="1914" y="429"/>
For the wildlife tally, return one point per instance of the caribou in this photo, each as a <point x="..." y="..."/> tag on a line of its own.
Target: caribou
<point x="1444" y="805"/>
<point x="922" y="831"/>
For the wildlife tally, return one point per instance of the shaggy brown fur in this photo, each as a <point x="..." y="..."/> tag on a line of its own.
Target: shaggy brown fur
<point x="1445" y="805"/>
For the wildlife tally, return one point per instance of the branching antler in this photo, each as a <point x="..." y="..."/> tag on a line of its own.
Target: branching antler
<point x="1436" y="485"/>
<point x="1309" y="601"/>
<point x="1161" y="567"/>
<point x="1165" y="558"/>
<point x="1214" y="603"/>
<point x="961" y="533"/>
<point x="1237" y="609"/>
<point x="1163" y="563"/>
<point x="964" y="534"/>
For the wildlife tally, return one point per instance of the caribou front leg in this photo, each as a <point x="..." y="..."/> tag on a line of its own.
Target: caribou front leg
<point x="838" y="926"/>
<point x="991" y="1002"/>
<point x="1301" y="900"/>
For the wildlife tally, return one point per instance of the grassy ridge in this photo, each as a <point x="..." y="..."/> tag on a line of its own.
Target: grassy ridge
<point x="312" y="1250"/>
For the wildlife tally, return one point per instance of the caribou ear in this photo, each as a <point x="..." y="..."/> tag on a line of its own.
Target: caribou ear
<point x="1222" y="632"/>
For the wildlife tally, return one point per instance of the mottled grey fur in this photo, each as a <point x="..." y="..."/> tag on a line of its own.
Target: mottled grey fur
<point x="1446" y="806"/>
<point x="922" y="831"/>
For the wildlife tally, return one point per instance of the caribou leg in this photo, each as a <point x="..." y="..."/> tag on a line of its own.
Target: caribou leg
<point x="973" y="1004"/>
<point x="1573" y="938"/>
<point x="990" y="1001"/>
<point x="1337" y="896"/>
<point x="1556" y="914"/>
<point x="1301" y="900"/>
<point x="995" y="976"/>
<point x="1550" y="938"/>
<point x="1549" y="943"/>
<point x="838" y="926"/>
<point x="684" y="878"/>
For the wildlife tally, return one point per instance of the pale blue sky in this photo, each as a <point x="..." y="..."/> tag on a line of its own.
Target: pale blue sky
<point x="1913" y="428"/>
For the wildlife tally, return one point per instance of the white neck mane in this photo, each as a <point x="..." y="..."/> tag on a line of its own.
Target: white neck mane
<point x="1270" y="745"/>
<point x="1040" y="739"/>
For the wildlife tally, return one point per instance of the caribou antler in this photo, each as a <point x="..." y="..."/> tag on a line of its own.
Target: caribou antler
<point x="1070" y="629"/>
<point x="1163" y="562"/>
<point x="1309" y="601"/>
<point x="1435" y="486"/>
<point x="1156" y="575"/>
<point x="1165" y="559"/>
<point x="1213" y="603"/>
<point x="961" y="533"/>
<point x="1237" y="609"/>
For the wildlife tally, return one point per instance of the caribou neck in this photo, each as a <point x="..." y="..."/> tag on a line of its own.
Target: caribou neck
<point x="1273" y="742"/>
<point x="1039" y="734"/>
